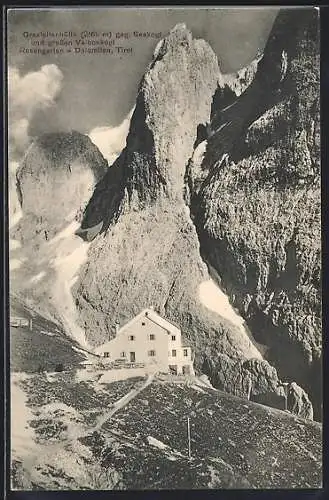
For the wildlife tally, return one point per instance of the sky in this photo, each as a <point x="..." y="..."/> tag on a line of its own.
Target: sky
<point x="89" y="91"/>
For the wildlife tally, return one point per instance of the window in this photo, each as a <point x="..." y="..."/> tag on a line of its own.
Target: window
<point x="122" y="354"/>
<point x="173" y="353"/>
<point x="151" y="353"/>
<point x="185" y="352"/>
<point x="143" y="323"/>
<point x="173" y="337"/>
<point x="152" y="336"/>
<point x="131" y="337"/>
<point x="106" y="354"/>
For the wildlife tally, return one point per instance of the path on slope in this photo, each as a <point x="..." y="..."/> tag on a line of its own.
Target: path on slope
<point x="121" y="403"/>
<point x="31" y="459"/>
<point x="118" y="405"/>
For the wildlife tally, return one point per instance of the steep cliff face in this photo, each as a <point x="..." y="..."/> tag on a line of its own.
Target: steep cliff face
<point x="238" y="82"/>
<point x="229" y="87"/>
<point x="255" y="196"/>
<point x="14" y="206"/>
<point x="232" y="86"/>
<point x="149" y="250"/>
<point x="145" y="248"/>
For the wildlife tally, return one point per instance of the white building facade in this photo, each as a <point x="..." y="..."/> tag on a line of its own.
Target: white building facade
<point x="152" y="341"/>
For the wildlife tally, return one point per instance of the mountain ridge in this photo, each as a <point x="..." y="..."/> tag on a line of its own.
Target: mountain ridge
<point x="143" y="242"/>
<point x="247" y="193"/>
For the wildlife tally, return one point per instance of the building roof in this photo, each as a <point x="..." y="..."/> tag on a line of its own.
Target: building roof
<point x="162" y="322"/>
<point x="153" y="316"/>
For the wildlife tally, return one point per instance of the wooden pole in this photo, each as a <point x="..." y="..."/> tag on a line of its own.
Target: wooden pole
<point x="189" y="437"/>
<point x="249" y="389"/>
<point x="285" y="385"/>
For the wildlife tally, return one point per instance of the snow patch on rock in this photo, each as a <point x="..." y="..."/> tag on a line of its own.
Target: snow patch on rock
<point x="37" y="277"/>
<point x="15" y="264"/>
<point x="15" y="218"/>
<point x="67" y="266"/>
<point x="212" y="297"/>
<point x="14" y="244"/>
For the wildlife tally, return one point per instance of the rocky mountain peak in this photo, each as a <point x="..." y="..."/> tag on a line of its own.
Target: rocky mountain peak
<point x="179" y="35"/>
<point x="174" y="97"/>
<point x="57" y="166"/>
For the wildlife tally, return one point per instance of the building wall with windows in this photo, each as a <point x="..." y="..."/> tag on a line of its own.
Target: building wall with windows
<point x="151" y="340"/>
<point x="147" y="340"/>
<point x="179" y="358"/>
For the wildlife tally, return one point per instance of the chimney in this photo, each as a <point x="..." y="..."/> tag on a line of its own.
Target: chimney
<point x="117" y="326"/>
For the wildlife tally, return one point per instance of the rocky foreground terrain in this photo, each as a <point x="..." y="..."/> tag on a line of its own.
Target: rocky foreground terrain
<point x="73" y="430"/>
<point x="234" y="443"/>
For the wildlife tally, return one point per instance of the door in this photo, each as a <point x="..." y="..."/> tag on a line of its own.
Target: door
<point x="173" y="369"/>
<point x="186" y="370"/>
<point x="132" y="357"/>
